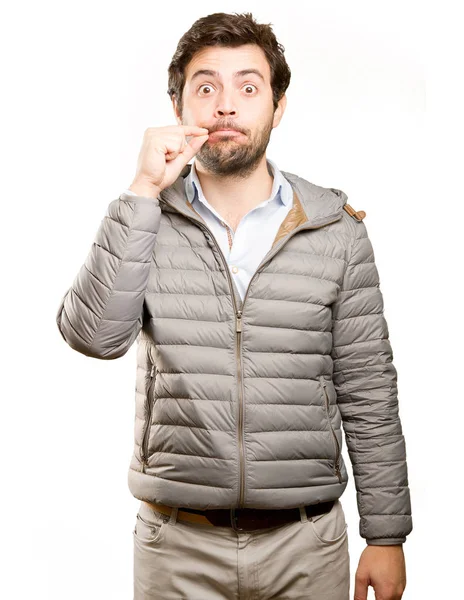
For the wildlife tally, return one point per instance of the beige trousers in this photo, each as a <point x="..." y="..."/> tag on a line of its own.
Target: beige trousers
<point x="176" y="559"/>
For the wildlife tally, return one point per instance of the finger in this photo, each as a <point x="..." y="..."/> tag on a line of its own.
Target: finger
<point x="360" y="589"/>
<point x="177" y="145"/>
<point x="194" y="130"/>
<point x="183" y="144"/>
<point x="190" y="150"/>
<point x="193" y="146"/>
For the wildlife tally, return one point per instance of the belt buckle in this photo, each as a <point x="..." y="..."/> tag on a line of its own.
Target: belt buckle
<point x="234" y="519"/>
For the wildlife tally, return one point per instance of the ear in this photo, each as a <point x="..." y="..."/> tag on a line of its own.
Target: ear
<point x="176" y="110"/>
<point x="279" y="111"/>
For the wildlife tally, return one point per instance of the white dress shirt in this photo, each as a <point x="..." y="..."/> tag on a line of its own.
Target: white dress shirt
<point x="256" y="231"/>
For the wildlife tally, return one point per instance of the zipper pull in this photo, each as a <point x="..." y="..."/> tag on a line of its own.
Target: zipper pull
<point x="239" y="321"/>
<point x="323" y="381"/>
<point x="152" y="370"/>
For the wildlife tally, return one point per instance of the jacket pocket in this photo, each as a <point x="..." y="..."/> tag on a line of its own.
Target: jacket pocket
<point x="336" y="465"/>
<point x="149" y="403"/>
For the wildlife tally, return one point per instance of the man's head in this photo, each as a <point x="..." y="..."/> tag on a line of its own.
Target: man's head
<point x="229" y="72"/>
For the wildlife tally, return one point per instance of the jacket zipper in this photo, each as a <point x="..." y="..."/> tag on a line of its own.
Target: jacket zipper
<point x="150" y="402"/>
<point x="240" y="407"/>
<point x="337" y="445"/>
<point x="238" y="323"/>
<point x="238" y="313"/>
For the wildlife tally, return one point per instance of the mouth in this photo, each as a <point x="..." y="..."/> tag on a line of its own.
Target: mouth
<point x="228" y="132"/>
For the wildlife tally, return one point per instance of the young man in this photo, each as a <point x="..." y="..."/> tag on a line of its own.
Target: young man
<point x="254" y="298"/>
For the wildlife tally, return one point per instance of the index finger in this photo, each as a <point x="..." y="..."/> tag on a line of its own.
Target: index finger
<point x="194" y="130"/>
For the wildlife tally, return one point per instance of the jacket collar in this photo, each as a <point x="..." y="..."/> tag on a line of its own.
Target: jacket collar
<point x="313" y="205"/>
<point x="280" y="186"/>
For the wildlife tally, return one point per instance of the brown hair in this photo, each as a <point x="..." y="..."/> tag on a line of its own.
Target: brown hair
<point x="229" y="31"/>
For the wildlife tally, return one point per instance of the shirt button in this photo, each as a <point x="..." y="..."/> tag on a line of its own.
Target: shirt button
<point x="234" y="269"/>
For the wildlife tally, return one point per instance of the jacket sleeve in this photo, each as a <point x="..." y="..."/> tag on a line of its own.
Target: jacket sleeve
<point x="366" y="383"/>
<point x="102" y="313"/>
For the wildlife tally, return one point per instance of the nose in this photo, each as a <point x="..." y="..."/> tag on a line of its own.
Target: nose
<point x="222" y="112"/>
<point x="225" y="106"/>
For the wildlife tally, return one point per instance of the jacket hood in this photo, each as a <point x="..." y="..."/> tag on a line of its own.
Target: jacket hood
<point x="319" y="203"/>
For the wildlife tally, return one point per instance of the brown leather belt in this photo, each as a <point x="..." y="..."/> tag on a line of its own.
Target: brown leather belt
<point x="244" y="519"/>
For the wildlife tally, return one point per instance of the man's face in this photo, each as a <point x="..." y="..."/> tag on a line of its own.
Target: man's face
<point x="225" y="99"/>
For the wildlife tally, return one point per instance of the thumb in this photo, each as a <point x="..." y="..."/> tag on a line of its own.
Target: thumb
<point x="195" y="144"/>
<point x="189" y="151"/>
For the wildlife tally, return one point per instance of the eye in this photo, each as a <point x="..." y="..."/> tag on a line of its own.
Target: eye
<point x="250" y="85"/>
<point x="209" y="86"/>
<point x="205" y="85"/>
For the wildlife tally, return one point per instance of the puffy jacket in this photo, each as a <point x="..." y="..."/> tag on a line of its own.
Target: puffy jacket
<point x="241" y="404"/>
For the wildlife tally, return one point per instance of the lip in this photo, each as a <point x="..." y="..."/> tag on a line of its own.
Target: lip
<point x="229" y="131"/>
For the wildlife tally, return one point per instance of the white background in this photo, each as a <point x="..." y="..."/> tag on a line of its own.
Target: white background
<point x="374" y="108"/>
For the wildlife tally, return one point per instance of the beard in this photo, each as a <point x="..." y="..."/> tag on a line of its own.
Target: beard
<point x="227" y="157"/>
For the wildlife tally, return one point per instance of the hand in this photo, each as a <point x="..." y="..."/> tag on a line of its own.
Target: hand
<point x="382" y="567"/>
<point x="164" y="154"/>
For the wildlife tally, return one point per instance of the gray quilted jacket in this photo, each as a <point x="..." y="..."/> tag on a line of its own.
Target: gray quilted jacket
<point x="241" y="404"/>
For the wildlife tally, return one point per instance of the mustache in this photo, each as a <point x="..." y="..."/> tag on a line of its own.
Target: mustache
<point x="218" y="127"/>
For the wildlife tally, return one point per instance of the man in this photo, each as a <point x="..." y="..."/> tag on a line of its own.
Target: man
<point x="254" y="298"/>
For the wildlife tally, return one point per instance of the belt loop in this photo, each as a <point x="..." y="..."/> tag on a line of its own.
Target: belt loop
<point x="173" y="518"/>
<point x="303" y="515"/>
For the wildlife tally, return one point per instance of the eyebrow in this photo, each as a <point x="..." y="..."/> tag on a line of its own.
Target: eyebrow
<point x="236" y="74"/>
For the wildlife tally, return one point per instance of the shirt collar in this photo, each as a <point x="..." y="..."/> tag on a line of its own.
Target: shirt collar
<point x="280" y="187"/>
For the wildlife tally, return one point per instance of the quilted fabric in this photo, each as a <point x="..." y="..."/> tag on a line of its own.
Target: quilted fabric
<point x="243" y="403"/>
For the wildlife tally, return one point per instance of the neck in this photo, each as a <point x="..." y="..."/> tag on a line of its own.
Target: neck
<point x="233" y="198"/>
